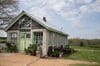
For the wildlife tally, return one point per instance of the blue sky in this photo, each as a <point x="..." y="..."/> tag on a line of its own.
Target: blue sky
<point x="78" y="18"/>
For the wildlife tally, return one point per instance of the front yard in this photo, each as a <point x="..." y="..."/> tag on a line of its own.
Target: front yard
<point x="84" y="56"/>
<point x="26" y="60"/>
<point x="86" y="53"/>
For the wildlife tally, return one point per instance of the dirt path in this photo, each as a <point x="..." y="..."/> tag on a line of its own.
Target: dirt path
<point x="57" y="62"/>
<point x="26" y="60"/>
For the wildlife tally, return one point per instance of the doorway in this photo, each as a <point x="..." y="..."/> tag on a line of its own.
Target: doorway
<point x="38" y="40"/>
<point x="25" y="40"/>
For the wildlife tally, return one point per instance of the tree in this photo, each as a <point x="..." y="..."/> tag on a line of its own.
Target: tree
<point x="81" y="44"/>
<point x="8" y="10"/>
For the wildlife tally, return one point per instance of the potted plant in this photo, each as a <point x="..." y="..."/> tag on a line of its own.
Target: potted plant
<point x="31" y="50"/>
<point x="26" y="51"/>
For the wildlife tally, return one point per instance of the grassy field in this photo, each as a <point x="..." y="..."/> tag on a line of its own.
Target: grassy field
<point x="84" y="65"/>
<point x="91" y="47"/>
<point x="86" y="53"/>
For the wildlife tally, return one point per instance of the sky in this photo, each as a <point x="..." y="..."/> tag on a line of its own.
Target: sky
<point x="77" y="18"/>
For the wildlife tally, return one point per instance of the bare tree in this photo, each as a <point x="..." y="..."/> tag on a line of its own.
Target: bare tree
<point x="8" y="10"/>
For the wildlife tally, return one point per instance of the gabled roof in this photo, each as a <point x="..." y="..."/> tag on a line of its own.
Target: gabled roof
<point x="41" y="22"/>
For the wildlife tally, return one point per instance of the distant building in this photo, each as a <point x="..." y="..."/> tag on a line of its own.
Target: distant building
<point x="27" y="29"/>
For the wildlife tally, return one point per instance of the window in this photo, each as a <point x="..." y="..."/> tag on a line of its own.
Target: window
<point x="13" y="35"/>
<point x="25" y="35"/>
<point x="13" y="38"/>
<point x="25" y="23"/>
<point x="22" y="35"/>
<point x="50" y="39"/>
<point x="38" y="37"/>
<point x="28" y="35"/>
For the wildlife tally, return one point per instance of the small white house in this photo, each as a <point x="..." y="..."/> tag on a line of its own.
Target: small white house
<point x="26" y="29"/>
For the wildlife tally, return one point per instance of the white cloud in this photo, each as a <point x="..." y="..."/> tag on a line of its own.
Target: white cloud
<point x="84" y="9"/>
<point x="37" y="11"/>
<point x="95" y="7"/>
<point x="26" y="3"/>
<point x="91" y="7"/>
<point x="64" y="8"/>
<point x="84" y="1"/>
<point x="72" y="17"/>
<point x="87" y="1"/>
<point x="59" y="6"/>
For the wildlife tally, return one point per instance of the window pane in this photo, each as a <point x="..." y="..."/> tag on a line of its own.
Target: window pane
<point x="13" y="38"/>
<point x="22" y="35"/>
<point x="38" y="37"/>
<point x="13" y="35"/>
<point x="28" y="35"/>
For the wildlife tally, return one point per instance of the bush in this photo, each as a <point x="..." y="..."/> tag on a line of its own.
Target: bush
<point x="26" y="51"/>
<point x="81" y="44"/>
<point x="55" y="54"/>
<point x="68" y="50"/>
<point x="31" y="50"/>
<point x="54" y="51"/>
<point x="11" y="47"/>
<point x="67" y="46"/>
<point x="3" y="41"/>
<point x="50" y="50"/>
<point x="57" y="51"/>
<point x="60" y="49"/>
<point x="34" y="46"/>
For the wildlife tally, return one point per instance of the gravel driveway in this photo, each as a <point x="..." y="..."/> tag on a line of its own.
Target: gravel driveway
<point x="26" y="60"/>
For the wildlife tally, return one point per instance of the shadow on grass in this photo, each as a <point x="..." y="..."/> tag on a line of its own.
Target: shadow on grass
<point x="69" y="53"/>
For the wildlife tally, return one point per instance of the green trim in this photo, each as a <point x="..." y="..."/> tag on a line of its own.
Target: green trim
<point x="37" y="20"/>
<point x="15" y="20"/>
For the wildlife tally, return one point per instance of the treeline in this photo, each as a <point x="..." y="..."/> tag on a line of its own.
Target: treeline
<point x="83" y="42"/>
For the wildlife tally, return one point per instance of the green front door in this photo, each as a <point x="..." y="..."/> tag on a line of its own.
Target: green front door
<point x="25" y="40"/>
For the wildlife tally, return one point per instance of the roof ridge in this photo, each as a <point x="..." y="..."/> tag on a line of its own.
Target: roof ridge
<point x="41" y="22"/>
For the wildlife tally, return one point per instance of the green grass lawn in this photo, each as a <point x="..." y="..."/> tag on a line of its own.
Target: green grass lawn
<point x="85" y="53"/>
<point x="84" y="65"/>
<point x="92" y="47"/>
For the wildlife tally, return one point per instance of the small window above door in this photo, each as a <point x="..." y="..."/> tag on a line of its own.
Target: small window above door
<point x="25" y="23"/>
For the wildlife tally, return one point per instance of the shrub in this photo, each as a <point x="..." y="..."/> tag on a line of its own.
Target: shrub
<point x="61" y="47"/>
<point x="55" y="54"/>
<point x="68" y="50"/>
<point x="50" y="50"/>
<point x="3" y="41"/>
<point x="11" y="47"/>
<point x="81" y="44"/>
<point x="31" y="50"/>
<point x="67" y="46"/>
<point x="57" y="51"/>
<point x="34" y="46"/>
<point x="26" y="51"/>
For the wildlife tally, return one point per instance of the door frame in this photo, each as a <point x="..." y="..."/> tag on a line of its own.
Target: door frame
<point x="44" y="46"/>
<point x="25" y="41"/>
<point x="36" y="39"/>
